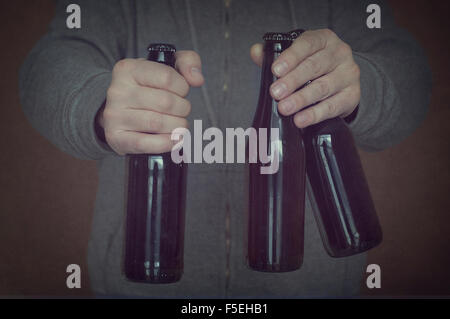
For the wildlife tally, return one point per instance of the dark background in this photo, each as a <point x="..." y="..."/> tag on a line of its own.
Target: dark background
<point x="47" y="197"/>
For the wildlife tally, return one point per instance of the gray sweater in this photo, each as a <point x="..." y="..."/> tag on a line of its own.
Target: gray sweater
<point x="64" y="80"/>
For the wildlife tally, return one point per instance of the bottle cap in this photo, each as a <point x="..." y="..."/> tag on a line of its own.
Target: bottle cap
<point x="296" y="33"/>
<point x="277" y="36"/>
<point x="161" y="47"/>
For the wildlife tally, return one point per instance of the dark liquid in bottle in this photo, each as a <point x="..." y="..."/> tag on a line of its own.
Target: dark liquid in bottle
<point x="344" y="208"/>
<point x="155" y="209"/>
<point x="276" y="201"/>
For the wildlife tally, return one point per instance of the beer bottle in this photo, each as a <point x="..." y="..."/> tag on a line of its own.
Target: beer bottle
<point x="276" y="199"/>
<point x="155" y="208"/>
<point x="343" y="206"/>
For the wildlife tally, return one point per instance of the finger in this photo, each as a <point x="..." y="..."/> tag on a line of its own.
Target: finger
<point x="257" y="54"/>
<point x="311" y="68"/>
<point x="304" y="46"/>
<point x="160" y="101"/>
<point x="149" y="122"/>
<point x="338" y="105"/>
<point x="160" y="76"/>
<point x="189" y="64"/>
<point x="130" y="142"/>
<point x="320" y="89"/>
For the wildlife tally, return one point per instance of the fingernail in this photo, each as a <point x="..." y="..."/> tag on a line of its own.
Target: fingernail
<point x="280" y="68"/>
<point x="302" y="120"/>
<point x="196" y="71"/>
<point x="287" y="107"/>
<point x="279" y="90"/>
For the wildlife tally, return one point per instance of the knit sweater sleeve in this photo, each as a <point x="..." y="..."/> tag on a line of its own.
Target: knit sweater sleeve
<point x="64" y="80"/>
<point x="395" y="77"/>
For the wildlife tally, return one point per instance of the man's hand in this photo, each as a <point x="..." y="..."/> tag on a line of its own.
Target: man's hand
<point x="319" y="56"/>
<point x="146" y="102"/>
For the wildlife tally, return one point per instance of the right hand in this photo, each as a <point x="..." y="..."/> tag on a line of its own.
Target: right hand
<point x="146" y="102"/>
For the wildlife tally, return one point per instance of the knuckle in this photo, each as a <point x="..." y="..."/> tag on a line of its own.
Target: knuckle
<point x="293" y="79"/>
<point x="328" y="33"/>
<point x="313" y="116"/>
<point x="328" y="37"/>
<point x="354" y="95"/>
<point x="184" y="123"/>
<point x="108" y="115"/>
<point x="355" y="70"/>
<point x="319" y="39"/>
<point x="185" y="89"/>
<point x="166" y="78"/>
<point x="322" y="89"/>
<point x="299" y="100"/>
<point x="154" y="122"/>
<point x="139" y="145"/>
<point x="344" y="49"/>
<point x="113" y="93"/>
<point x="330" y="108"/>
<point x="310" y="42"/>
<point x="166" y="102"/>
<point x="114" y="142"/>
<point x="125" y="65"/>
<point x="187" y="108"/>
<point x="291" y="55"/>
<point x="358" y="92"/>
<point x="312" y="65"/>
<point x="110" y="136"/>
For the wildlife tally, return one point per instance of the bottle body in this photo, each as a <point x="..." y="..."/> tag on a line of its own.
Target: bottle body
<point x="276" y="201"/>
<point x="343" y="207"/>
<point x="155" y="218"/>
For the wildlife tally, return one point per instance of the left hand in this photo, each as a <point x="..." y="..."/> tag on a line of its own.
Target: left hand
<point x="322" y="57"/>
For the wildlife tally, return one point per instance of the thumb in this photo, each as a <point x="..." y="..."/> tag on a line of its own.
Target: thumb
<point x="189" y="64"/>
<point x="256" y="53"/>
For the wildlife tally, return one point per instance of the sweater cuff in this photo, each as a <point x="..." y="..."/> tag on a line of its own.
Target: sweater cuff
<point x="369" y="109"/>
<point x="85" y="106"/>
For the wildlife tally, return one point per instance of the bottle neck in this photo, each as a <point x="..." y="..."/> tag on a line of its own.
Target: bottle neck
<point x="164" y="57"/>
<point x="272" y="50"/>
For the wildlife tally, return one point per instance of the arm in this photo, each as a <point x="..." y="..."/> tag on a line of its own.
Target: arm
<point x="64" y="80"/>
<point x="81" y="94"/>
<point x="394" y="75"/>
<point x="377" y="79"/>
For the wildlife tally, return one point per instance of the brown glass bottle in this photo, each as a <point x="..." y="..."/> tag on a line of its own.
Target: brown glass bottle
<point x="276" y="201"/>
<point x="343" y="208"/>
<point x="155" y="208"/>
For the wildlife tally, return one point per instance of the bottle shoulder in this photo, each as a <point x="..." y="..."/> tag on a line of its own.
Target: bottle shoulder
<point x="328" y="127"/>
